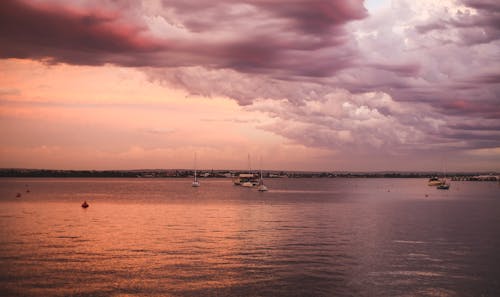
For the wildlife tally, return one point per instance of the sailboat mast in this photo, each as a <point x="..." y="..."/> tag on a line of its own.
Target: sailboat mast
<point x="195" y="183"/>
<point x="261" y="167"/>
<point x="194" y="166"/>
<point x="262" y="187"/>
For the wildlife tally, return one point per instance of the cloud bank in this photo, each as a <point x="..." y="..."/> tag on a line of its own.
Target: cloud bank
<point x="415" y="77"/>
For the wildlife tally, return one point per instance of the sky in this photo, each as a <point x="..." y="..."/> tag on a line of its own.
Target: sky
<point x="338" y="85"/>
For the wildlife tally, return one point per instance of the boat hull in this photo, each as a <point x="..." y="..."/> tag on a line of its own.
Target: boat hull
<point x="443" y="187"/>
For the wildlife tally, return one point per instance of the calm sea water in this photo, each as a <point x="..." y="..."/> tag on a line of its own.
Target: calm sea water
<point x="305" y="237"/>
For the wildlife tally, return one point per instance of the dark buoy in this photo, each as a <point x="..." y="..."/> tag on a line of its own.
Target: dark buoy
<point x="85" y="204"/>
<point x="18" y="195"/>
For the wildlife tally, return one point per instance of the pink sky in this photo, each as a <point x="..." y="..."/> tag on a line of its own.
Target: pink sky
<point x="310" y="85"/>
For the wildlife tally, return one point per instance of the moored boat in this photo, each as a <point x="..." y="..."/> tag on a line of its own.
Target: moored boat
<point x="444" y="186"/>
<point x="245" y="180"/>
<point x="434" y="181"/>
<point x="195" y="183"/>
<point x="262" y="187"/>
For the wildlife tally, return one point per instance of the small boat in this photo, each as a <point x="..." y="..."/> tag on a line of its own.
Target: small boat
<point x="245" y="180"/>
<point x="261" y="187"/>
<point x="443" y="187"/>
<point x="247" y="184"/>
<point x="434" y="181"/>
<point x="195" y="183"/>
<point x="85" y="204"/>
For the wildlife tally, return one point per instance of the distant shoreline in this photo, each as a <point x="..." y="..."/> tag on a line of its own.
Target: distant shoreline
<point x="223" y="173"/>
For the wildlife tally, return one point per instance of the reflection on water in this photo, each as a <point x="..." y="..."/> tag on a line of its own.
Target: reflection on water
<point x="305" y="237"/>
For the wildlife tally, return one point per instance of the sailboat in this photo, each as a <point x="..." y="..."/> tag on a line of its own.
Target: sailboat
<point x="248" y="179"/>
<point x="261" y="187"/>
<point x="195" y="183"/>
<point x="444" y="185"/>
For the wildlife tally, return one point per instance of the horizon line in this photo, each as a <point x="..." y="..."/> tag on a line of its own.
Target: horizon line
<point x="267" y="170"/>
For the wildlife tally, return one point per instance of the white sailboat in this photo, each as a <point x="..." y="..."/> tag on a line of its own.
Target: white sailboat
<point x="248" y="180"/>
<point x="195" y="183"/>
<point x="261" y="187"/>
<point x="444" y="184"/>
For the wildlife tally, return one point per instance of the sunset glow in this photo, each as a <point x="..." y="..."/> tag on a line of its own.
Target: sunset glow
<point x="311" y="85"/>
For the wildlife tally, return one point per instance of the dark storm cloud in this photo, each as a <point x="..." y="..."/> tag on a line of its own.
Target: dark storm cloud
<point x="401" y="69"/>
<point x="489" y="78"/>
<point x="311" y="17"/>
<point x="248" y="36"/>
<point x="316" y="16"/>
<point x="488" y="5"/>
<point x="63" y="34"/>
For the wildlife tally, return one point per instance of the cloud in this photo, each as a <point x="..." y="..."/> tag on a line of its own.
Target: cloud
<point x="427" y="58"/>
<point x="57" y="33"/>
<point x="247" y="36"/>
<point x="231" y="120"/>
<point x="347" y="122"/>
<point x="404" y="79"/>
<point x="475" y="24"/>
<point x="160" y="131"/>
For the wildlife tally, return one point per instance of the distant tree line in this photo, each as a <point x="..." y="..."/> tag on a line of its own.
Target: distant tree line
<point x="179" y="173"/>
<point x="64" y="173"/>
